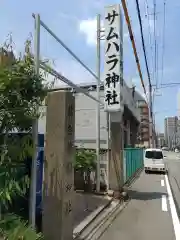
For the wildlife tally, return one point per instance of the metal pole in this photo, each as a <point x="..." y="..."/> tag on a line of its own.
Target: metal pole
<point x="65" y="47"/>
<point x="108" y="147"/>
<point x="32" y="212"/>
<point x="54" y="73"/>
<point x="98" y="105"/>
<point x="154" y="128"/>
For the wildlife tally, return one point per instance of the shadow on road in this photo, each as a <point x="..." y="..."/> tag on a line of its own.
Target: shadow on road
<point x="145" y="195"/>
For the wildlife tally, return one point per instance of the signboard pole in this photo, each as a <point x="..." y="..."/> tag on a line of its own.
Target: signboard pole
<point x="98" y="105"/>
<point x="32" y="206"/>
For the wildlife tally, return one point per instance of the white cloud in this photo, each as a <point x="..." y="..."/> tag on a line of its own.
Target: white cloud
<point x="89" y="28"/>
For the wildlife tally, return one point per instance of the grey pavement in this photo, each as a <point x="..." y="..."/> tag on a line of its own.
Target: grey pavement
<point x="85" y="204"/>
<point x="146" y="216"/>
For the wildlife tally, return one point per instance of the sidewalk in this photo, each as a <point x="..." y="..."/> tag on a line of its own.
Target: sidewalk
<point x="148" y="214"/>
<point x="85" y="204"/>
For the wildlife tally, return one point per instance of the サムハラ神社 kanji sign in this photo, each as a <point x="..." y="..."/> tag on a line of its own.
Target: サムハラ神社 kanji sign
<point x="113" y="69"/>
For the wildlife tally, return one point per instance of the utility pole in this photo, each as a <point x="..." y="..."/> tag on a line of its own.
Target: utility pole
<point x="151" y="139"/>
<point x="98" y="105"/>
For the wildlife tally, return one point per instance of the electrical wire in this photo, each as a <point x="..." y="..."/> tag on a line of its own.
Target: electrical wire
<point x="168" y="86"/>
<point x="163" y="45"/>
<point x="133" y="44"/>
<point x="150" y="37"/>
<point x="147" y="69"/>
<point x="155" y="45"/>
<point x="157" y="64"/>
<point x="142" y="39"/>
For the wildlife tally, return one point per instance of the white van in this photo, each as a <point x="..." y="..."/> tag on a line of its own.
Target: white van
<point x="154" y="160"/>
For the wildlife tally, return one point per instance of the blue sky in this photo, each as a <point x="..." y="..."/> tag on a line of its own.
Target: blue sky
<point x="74" y="22"/>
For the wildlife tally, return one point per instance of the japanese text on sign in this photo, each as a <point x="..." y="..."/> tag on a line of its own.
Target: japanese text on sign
<point x="113" y="79"/>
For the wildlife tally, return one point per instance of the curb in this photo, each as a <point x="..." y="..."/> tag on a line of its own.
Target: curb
<point x="89" y="219"/>
<point x="108" y="219"/>
<point x="134" y="177"/>
<point x="173" y="194"/>
<point x="101" y="229"/>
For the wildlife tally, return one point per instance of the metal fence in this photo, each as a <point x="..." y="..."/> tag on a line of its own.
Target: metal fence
<point x="133" y="161"/>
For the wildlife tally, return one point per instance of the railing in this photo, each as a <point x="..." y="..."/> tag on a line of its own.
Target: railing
<point x="133" y="161"/>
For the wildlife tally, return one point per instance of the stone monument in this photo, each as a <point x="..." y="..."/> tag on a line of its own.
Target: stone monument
<point x="58" y="173"/>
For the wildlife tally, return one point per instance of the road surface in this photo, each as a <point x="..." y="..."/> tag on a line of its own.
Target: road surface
<point x="150" y="214"/>
<point x="173" y="164"/>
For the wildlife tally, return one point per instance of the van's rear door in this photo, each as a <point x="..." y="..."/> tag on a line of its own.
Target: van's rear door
<point x="153" y="157"/>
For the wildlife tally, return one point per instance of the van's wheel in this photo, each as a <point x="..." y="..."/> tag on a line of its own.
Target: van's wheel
<point x="146" y="171"/>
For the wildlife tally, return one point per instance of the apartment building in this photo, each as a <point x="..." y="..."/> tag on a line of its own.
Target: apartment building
<point x="171" y="131"/>
<point x="143" y="136"/>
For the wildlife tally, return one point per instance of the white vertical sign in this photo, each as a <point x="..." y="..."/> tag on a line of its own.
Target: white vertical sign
<point x="113" y="68"/>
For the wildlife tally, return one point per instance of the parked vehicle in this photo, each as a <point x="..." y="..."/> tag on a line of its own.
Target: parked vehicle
<point x="176" y="150"/>
<point x="154" y="160"/>
<point x="165" y="148"/>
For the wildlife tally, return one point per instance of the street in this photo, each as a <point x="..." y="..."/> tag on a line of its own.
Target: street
<point x="151" y="212"/>
<point x="173" y="164"/>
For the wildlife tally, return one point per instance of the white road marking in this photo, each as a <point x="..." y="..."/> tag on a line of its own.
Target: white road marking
<point x="162" y="182"/>
<point x="175" y="219"/>
<point x="164" y="203"/>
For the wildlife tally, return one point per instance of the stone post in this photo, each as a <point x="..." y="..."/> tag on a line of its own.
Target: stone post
<point x="116" y="161"/>
<point x="59" y="179"/>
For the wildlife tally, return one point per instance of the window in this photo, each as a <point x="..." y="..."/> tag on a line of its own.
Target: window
<point x="154" y="154"/>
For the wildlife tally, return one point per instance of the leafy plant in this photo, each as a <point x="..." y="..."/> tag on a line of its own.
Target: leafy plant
<point x="85" y="160"/>
<point x="21" y="93"/>
<point x="13" y="228"/>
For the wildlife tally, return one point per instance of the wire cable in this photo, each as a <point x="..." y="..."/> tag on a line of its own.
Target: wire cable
<point x="133" y="43"/>
<point x="150" y="38"/>
<point x="155" y="45"/>
<point x="163" y="45"/>
<point x="142" y="39"/>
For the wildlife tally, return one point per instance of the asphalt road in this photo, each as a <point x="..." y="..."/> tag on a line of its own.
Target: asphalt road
<point x="173" y="164"/>
<point x="150" y="214"/>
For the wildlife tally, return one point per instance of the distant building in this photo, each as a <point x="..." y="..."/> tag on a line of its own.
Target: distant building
<point x="171" y="131"/>
<point x="143" y="136"/>
<point x="161" y="140"/>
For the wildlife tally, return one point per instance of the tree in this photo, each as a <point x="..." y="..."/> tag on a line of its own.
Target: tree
<point x="21" y="93"/>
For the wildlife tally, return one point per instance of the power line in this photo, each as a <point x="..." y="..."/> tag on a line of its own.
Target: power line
<point x="157" y="63"/>
<point x="155" y="45"/>
<point x="171" y="83"/>
<point x="150" y="37"/>
<point x="133" y="43"/>
<point x="163" y="45"/>
<point x="142" y="39"/>
<point x="148" y="74"/>
<point x="169" y="86"/>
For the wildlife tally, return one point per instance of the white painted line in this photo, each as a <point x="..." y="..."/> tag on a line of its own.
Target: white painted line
<point x="162" y="182"/>
<point x="164" y="203"/>
<point x="175" y="219"/>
